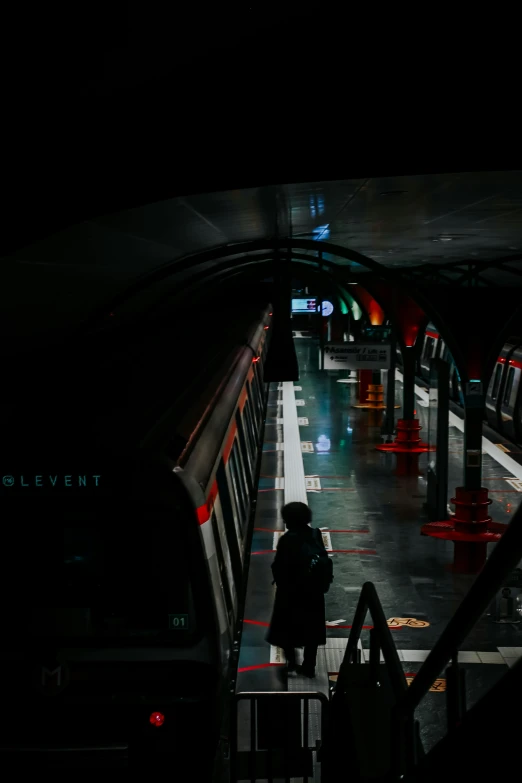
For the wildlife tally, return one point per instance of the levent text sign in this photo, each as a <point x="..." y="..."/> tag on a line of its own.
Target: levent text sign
<point x="356" y="356"/>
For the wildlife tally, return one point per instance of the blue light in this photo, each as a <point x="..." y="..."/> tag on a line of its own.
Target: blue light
<point x="321" y="232"/>
<point x="320" y="204"/>
<point x="323" y="443"/>
<point x="349" y="430"/>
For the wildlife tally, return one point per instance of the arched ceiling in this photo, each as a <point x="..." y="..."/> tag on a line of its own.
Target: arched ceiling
<point x="411" y="225"/>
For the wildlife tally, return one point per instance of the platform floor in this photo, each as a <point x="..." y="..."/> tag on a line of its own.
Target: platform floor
<point x="373" y="522"/>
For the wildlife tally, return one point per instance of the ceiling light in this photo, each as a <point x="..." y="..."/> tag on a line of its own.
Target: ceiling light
<point x="446" y="239"/>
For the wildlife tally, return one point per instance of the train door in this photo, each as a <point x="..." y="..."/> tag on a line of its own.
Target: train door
<point x="492" y="396"/>
<point x="510" y="395"/>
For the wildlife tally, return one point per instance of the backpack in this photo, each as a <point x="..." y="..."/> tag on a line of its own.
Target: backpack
<point x="315" y="569"/>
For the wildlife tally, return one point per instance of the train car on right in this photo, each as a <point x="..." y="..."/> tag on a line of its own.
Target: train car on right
<point x="504" y="395"/>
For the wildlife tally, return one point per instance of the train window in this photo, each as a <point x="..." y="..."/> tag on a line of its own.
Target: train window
<point x="250" y="435"/>
<point x="258" y="371"/>
<point x="254" y="395"/>
<point x="496" y="382"/>
<point x="251" y="427"/>
<point x="440" y="348"/>
<point x="226" y="503"/>
<point x="509" y="385"/>
<point x="243" y="483"/>
<point x="247" y="460"/>
<point x="430" y="345"/>
<point x="228" y="530"/>
<point x="223" y="571"/>
<point x="237" y="484"/>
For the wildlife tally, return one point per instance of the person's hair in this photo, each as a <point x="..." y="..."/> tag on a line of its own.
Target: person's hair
<point x="296" y="515"/>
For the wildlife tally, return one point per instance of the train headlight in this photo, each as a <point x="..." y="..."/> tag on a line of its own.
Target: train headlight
<point x="157" y="719"/>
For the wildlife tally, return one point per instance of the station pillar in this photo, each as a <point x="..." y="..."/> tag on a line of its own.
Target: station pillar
<point x="475" y="343"/>
<point x="409" y="321"/>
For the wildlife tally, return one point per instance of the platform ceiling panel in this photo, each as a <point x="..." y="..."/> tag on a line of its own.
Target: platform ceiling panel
<point x="399" y="222"/>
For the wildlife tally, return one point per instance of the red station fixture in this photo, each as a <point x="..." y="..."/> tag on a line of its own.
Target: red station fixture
<point x="157" y="719"/>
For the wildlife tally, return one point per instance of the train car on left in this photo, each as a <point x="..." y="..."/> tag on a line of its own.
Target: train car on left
<point x="122" y="605"/>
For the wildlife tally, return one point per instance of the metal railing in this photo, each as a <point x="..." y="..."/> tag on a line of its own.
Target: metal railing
<point x="504" y="558"/>
<point x="274" y="700"/>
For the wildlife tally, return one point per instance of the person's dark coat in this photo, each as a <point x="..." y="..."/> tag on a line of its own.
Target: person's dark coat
<point x="298" y="619"/>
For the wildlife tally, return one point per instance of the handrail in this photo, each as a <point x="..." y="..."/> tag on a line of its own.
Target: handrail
<point x="502" y="560"/>
<point x="254" y="696"/>
<point x="369" y="601"/>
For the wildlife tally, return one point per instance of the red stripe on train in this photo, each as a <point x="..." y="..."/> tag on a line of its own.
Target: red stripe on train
<point x="203" y="515"/>
<point x="230" y="442"/>
<point x="432" y="334"/>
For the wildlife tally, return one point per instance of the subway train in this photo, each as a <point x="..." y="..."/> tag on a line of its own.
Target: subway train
<point x="504" y="394"/>
<point x="140" y="678"/>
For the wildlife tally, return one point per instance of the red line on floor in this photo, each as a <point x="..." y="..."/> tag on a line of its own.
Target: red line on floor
<point x="272" y="489"/>
<point x="504" y="490"/>
<point x="355" y="551"/>
<point x="343" y="551"/>
<point x="256" y="622"/>
<point x="332" y="530"/>
<point x="258" y="666"/>
<point x="269" y="530"/>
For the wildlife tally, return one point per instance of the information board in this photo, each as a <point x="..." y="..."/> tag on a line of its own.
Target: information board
<point x="304" y="305"/>
<point x="354" y="356"/>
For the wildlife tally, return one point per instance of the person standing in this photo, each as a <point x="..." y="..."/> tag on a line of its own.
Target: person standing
<point x="302" y="572"/>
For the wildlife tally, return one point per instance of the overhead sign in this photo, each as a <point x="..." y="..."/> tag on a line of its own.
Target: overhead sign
<point x="353" y="356"/>
<point x="377" y="332"/>
<point x="304" y="305"/>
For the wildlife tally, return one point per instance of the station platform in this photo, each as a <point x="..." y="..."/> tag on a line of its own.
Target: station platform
<point x="371" y="522"/>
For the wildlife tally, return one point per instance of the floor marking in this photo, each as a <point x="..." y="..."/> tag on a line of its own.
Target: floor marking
<point x="501" y="447"/>
<point x="300" y="403"/>
<point x="419" y="656"/>
<point x="280" y="421"/>
<point x="307" y="445"/>
<point x="326" y="541"/>
<point x="516" y="483"/>
<point x="256" y="622"/>
<point x="312" y="484"/>
<point x="333" y="530"/>
<point x="411" y="622"/>
<point x="332" y="623"/>
<point x="257" y="666"/>
<point x="277" y="536"/>
<point x="487" y="446"/>
<point x="277" y="655"/>
<point x="280" y="483"/>
<point x="439" y="685"/>
<point x="295" y="489"/>
<point x="302" y="421"/>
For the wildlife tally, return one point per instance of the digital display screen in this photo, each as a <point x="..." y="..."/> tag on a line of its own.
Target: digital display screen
<point x="304" y="305"/>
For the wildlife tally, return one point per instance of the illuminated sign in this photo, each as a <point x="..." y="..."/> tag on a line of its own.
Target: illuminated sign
<point x="304" y="305"/>
<point x="353" y="356"/>
<point x="327" y="308"/>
